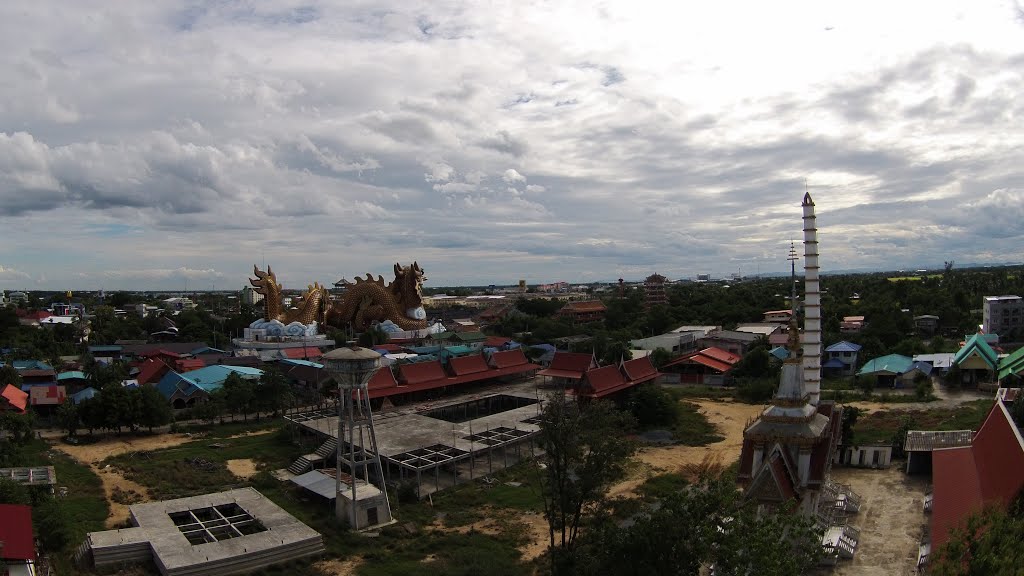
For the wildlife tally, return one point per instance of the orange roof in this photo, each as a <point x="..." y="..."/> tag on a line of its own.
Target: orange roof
<point x="15" y="397"/>
<point x="588" y="306"/>
<point x="601" y="381"/>
<point x="639" y="369"/>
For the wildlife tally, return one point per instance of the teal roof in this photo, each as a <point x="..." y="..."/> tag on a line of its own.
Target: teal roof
<point x="20" y="365"/>
<point x="780" y="352"/>
<point x="71" y="375"/>
<point x="105" y="348"/>
<point x="292" y="362"/>
<point x="887" y="365"/>
<point x="977" y="344"/>
<point x="206" y="379"/>
<point x="1011" y="364"/>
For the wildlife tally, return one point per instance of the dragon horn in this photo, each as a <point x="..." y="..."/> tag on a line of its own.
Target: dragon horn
<point x="398" y="268"/>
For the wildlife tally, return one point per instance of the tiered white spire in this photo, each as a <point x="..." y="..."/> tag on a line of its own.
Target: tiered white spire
<point x="812" y="305"/>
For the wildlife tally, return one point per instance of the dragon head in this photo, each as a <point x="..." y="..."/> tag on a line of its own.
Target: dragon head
<point x="265" y="282"/>
<point x="408" y="289"/>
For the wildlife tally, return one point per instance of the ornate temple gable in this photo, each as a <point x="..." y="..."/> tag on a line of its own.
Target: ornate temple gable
<point x="774" y="482"/>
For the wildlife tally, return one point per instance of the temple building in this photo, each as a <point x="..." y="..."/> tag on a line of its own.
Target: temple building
<point x="788" y="450"/>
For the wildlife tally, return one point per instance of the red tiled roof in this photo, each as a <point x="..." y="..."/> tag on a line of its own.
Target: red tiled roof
<point x="573" y="361"/>
<point x="37" y="315"/>
<point x="189" y="364"/>
<point x="639" y="369"/>
<point x="782" y="478"/>
<point x="509" y="358"/>
<point x="15" y="397"/>
<point x="152" y="370"/>
<point x="410" y="374"/>
<point x="472" y="364"/>
<point x="714" y="358"/>
<point x="990" y="470"/>
<point x="602" y="381"/>
<point x="496" y="341"/>
<point x="382" y="379"/>
<point x="37" y="373"/>
<point x="16" y="532"/>
<point x="301" y="353"/>
<point x="430" y="375"/>
<point x="389" y="347"/>
<point x="47" y="395"/>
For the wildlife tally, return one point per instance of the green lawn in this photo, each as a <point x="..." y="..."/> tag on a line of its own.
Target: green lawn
<point x="882" y="425"/>
<point x="693" y="428"/>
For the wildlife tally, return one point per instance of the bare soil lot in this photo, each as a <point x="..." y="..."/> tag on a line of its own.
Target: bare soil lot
<point x="891" y="520"/>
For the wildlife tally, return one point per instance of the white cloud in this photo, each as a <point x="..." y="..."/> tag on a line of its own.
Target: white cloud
<point x="511" y="176"/>
<point x="215" y="133"/>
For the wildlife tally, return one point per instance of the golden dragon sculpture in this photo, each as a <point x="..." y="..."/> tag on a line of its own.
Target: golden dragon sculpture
<point x="366" y="301"/>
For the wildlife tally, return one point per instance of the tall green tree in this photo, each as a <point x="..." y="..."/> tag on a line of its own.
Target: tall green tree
<point x="273" y="391"/>
<point x="68" y="417"/>
<point x="240" y="395"/>
<point x="585" y="451"/>
<point x="153" y="408"/>
<point x="706" y="523"/>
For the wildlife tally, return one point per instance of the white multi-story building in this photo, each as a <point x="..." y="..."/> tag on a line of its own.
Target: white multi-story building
<point x="1002" y="314"/>
<point x="250" y="296"/>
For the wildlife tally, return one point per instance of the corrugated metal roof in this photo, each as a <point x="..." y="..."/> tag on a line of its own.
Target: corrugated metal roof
<point x="844" y="346"/>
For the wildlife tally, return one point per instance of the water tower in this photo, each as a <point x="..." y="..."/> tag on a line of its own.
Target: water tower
<point x="359" y="501"/>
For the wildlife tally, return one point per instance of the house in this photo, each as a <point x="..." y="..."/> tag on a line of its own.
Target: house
<point x="708" y="366"/>
<point x="496" y="313"/>
<point x="852" y="324"/>
<point x="895" y="370"/>
<point x="778" y="316"/>
<point x="926" y="323"/>
<point x="988" y="472"/>
<point x="17" y="546"/>
<point x="940" y="362"/>
<point x="34" y="318"/>
<point x="13" y="400"/>
<point x="107" y="353"/>
<point x="158" y="363"/>
<point x="977" y="361"/>
<point x="674" y="342"/>
<point x="873" y="455"/>
<point x="761" y="328"/>
<point x="184" y="390"/>
<point x="841" y="359"/>
<point x="35" y="372"/>
<point x="732" y="341"/>
<point x="586" y="311"/>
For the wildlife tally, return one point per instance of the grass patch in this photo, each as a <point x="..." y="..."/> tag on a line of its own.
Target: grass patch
<point x="882" y="425"/>
<point x="712" y="392"/>
<point x="198" y="467"/>
<point x="693" y="428"/>
<point x="662" y="486"/>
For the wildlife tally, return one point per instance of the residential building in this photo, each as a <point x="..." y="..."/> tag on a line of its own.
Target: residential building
<point x="895" y="370"/>
<point x="841" y="359"/>
<point x="1000" y="314"/>
<point x="852" y="324"/>
<point x="977" y="361"/>
<point x="778" y="316"/>
<point x="675" y="342"/>
<point x="731" y="341"/>
<point x="185" y="390"/>
<point x="766" y="329"/>
<point x="179" y="303"/>
<point x="586" y="311"/>
<point x="926" y="323"/>
<point x="250" y="296"/>
<point x="709" y="366"/>
<point x="12" y="399"/>
<point x="654" y="291"/>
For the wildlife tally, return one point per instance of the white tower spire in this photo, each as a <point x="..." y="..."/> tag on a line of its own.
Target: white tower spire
<point x="812" y="305"/>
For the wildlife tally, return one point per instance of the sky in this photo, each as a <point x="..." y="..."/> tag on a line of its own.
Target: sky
<point x="174" y="145"/>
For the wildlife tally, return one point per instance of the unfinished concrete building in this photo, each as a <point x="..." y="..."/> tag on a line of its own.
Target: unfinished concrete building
<point x="231" y="532"/>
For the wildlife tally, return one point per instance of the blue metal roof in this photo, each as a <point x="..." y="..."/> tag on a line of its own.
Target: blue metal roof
<point x="293" y="362"/>
<point x="889" y="365"/>
<point x="844" y="346"/>
<point x="83" y="395"/>
<point x="31" y="365"/>
<point x="780" y="352"/>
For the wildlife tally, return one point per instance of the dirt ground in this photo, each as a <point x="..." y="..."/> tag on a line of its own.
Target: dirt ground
<point x="93" y="454"/>
<point x="891" y="520"/>
<point x="345" y="567"/>
<point x="244" y="468"/>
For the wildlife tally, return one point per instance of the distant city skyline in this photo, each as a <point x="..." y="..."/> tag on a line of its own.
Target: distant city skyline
<point x="146" y="145"/>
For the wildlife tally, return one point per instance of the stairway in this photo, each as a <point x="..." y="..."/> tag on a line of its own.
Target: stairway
<point x="847" y="543"/>
<point x="324" y="452"/>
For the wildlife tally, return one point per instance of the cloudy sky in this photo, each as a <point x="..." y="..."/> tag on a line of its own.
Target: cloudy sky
<point x="159" y="145"/>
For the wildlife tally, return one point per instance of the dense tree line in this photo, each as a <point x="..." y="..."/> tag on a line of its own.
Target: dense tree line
<point x="239" y="396"/>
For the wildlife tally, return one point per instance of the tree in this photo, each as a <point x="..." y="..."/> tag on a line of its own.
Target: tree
<point x="585" y="451"/>
<point x="240" y="395"/>
<point x="153" y="408"/>
<point x="706" y="523"/>
<point x="8" y="375"/>
<point x="90" y="413"/>
<point x="67" y="415"/>
<point x="51" y="525"/>
<point x="273" y="392"/>
<point x="659" y="357"/>
<point x="652" y="406"/>
<point x="12" y="492"/>
<point x="988" y="543"/>
<point x="18" y="426"/>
